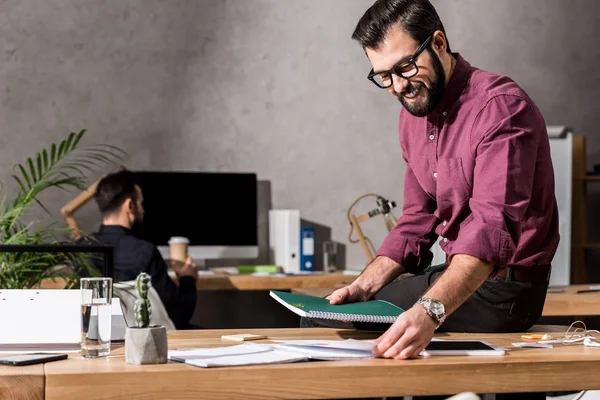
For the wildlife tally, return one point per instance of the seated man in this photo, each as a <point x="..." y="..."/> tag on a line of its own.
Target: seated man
<point x="120" y="202"/>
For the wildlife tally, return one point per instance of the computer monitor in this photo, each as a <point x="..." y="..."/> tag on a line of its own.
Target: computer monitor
<point x="216" y="211"/>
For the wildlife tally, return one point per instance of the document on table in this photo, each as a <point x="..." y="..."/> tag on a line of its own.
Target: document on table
<point x="281" y="352"/>
<point x="242" y="354"/>
<point x="329" y="350"/>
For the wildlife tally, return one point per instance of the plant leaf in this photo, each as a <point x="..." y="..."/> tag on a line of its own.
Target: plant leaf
<point x="41" y="205"/>
<point x="114" y="148"/>
<point x="53" y="154"/>
<point x="40" y="170"/>
<point x="25" y="175"/>
<point x="20" y="183"/>
<point x="78" y="138"/>
<point x="69" y="141"/>
<point x="45" y="158"/>
<point x="61" y="148"/>
<point x="31" y="169"/>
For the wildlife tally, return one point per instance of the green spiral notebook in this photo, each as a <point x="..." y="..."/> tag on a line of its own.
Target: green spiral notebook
<point x="317" y="307"/>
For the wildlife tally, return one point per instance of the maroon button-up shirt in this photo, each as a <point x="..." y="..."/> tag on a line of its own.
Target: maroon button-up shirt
<point x="478" y="174"/>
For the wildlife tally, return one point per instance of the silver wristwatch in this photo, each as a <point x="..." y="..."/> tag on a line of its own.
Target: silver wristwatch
<point x="435" y="309"/>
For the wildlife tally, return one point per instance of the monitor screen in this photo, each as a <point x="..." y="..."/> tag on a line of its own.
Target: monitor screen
<point x="209" y="208"/>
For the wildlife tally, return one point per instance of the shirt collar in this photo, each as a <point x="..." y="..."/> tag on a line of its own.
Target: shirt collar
<point x="456" y="85"/>
<point x="114" y="229"/>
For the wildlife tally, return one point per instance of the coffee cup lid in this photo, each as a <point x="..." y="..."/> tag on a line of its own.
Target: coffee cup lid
<point x="178" y="240"/>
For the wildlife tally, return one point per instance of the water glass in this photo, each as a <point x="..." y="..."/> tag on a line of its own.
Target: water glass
<point x="96" y="295"/>
<point x="329" y="257"/>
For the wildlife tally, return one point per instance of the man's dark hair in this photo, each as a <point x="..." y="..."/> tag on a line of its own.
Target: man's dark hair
<point x="418" y="18"/>
<point x="113" y="190"/>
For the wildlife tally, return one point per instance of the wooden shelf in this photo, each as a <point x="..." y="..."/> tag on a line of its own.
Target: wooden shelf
<point x="587" y="178"/>
<point x="587" y="245"/>
<point x="580" y="242"/>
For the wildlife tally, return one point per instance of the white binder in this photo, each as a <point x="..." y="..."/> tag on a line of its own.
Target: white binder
<point x="284" y="239"/>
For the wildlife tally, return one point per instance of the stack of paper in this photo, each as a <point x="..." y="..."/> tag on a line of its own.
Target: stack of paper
<point x="243" y="354"/>
<point x="330" y="350"/>
<point x="281" y="352"/>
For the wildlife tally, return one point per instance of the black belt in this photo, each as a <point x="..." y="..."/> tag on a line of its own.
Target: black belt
<point x="530" y="273"/>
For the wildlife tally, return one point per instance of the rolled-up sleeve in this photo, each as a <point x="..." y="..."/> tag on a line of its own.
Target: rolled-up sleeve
<point x="410" y="241"/>
<point x="505" y="141"/>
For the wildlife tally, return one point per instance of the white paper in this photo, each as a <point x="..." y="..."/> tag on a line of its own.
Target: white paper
<point x="533" y="345"/>
<point x="243" y="354"/>
<point x="327" y="354"/>
<point x="348" y="344"/>
<point x="211" y="352"/>
<point x="330" y="350"/>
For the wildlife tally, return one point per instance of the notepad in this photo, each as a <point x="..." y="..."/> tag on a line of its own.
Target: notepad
<point x="377" y="311"/>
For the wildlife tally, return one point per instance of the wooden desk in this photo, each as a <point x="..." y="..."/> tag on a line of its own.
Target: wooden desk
<point x="567" y="304"/>
<point x="25" y="382"/>
<point x="570" y="303"/>
<point x="221" y="281"/>
<point x="521" y="370"/>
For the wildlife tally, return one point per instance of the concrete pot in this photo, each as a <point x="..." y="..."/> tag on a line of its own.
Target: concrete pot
<point x="146" y="345"/>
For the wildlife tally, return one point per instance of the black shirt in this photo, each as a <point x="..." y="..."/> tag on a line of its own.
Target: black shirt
<point x="133" y="255"/>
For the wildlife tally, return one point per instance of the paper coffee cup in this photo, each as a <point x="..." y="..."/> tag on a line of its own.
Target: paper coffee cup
<point x="178" y="246"/>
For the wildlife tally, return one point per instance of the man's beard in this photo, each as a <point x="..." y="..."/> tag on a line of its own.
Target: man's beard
<point x="432" y="95"/>
<point x="137" y="227"/>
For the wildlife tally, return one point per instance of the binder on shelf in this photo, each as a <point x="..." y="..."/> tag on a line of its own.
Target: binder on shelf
<point x="284" y="239"/>
<point x="307" y="250"/>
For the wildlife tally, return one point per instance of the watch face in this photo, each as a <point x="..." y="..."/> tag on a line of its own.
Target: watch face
<point x="437" y="308"/>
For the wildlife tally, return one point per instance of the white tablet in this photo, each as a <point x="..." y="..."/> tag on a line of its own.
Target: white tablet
<point x="461" y="348"/>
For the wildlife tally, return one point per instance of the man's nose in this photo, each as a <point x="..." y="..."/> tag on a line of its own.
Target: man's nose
<point x="400" y="84"/>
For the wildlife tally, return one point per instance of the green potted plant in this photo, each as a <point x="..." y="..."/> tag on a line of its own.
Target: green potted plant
<point x="62" y="166"/>
<point x="145" y="343"/>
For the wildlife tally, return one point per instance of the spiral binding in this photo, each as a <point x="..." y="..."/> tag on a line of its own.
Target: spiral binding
<point x="352" y="317"/>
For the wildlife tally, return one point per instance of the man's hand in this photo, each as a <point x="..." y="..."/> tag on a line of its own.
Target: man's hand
<point x="352" y="293"/>
<point x="414" y="328"/>
<point x="408" y="336"/>
<point x="188" y="268"/>
<point x="378" y="273"/>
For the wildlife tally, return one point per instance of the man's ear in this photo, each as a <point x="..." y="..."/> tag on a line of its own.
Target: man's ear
<point x="439" y="43"/>
<point x="127" y="205"/>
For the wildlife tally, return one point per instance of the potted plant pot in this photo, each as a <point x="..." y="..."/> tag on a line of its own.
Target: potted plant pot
<point x="145" y="343"/>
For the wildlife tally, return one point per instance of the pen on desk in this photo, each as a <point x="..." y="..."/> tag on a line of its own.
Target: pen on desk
<point x="532" y="337"/>
<point x="588" y="291"/>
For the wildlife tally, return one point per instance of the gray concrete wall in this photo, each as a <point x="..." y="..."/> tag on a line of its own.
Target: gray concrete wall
<point x="271" y="86"/>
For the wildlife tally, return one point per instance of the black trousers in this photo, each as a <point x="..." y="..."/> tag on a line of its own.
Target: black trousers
<point x="500" y="305"/>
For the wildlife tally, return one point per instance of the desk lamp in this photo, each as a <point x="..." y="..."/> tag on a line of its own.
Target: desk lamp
<point x="384" y="207"/>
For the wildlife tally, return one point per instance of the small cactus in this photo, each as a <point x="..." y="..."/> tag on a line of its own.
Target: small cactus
<point x="142" y="309"/>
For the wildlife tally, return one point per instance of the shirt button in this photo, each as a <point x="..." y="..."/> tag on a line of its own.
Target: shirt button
<point x="444" y="113"/>
<point x="445" y="240"/>
<point x="431" y="137"/>
<point x="435" y="174"/>
<point x="444" y="223"/>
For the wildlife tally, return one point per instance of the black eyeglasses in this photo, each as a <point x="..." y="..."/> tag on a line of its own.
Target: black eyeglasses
<point x="406" y="68"/>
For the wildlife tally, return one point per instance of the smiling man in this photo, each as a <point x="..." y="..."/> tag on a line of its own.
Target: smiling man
<point x="478" y="175"/>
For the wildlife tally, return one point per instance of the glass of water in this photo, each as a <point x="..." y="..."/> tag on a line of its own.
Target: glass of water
<point x="96" y="295"/>
<point x="330" y="261"/>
